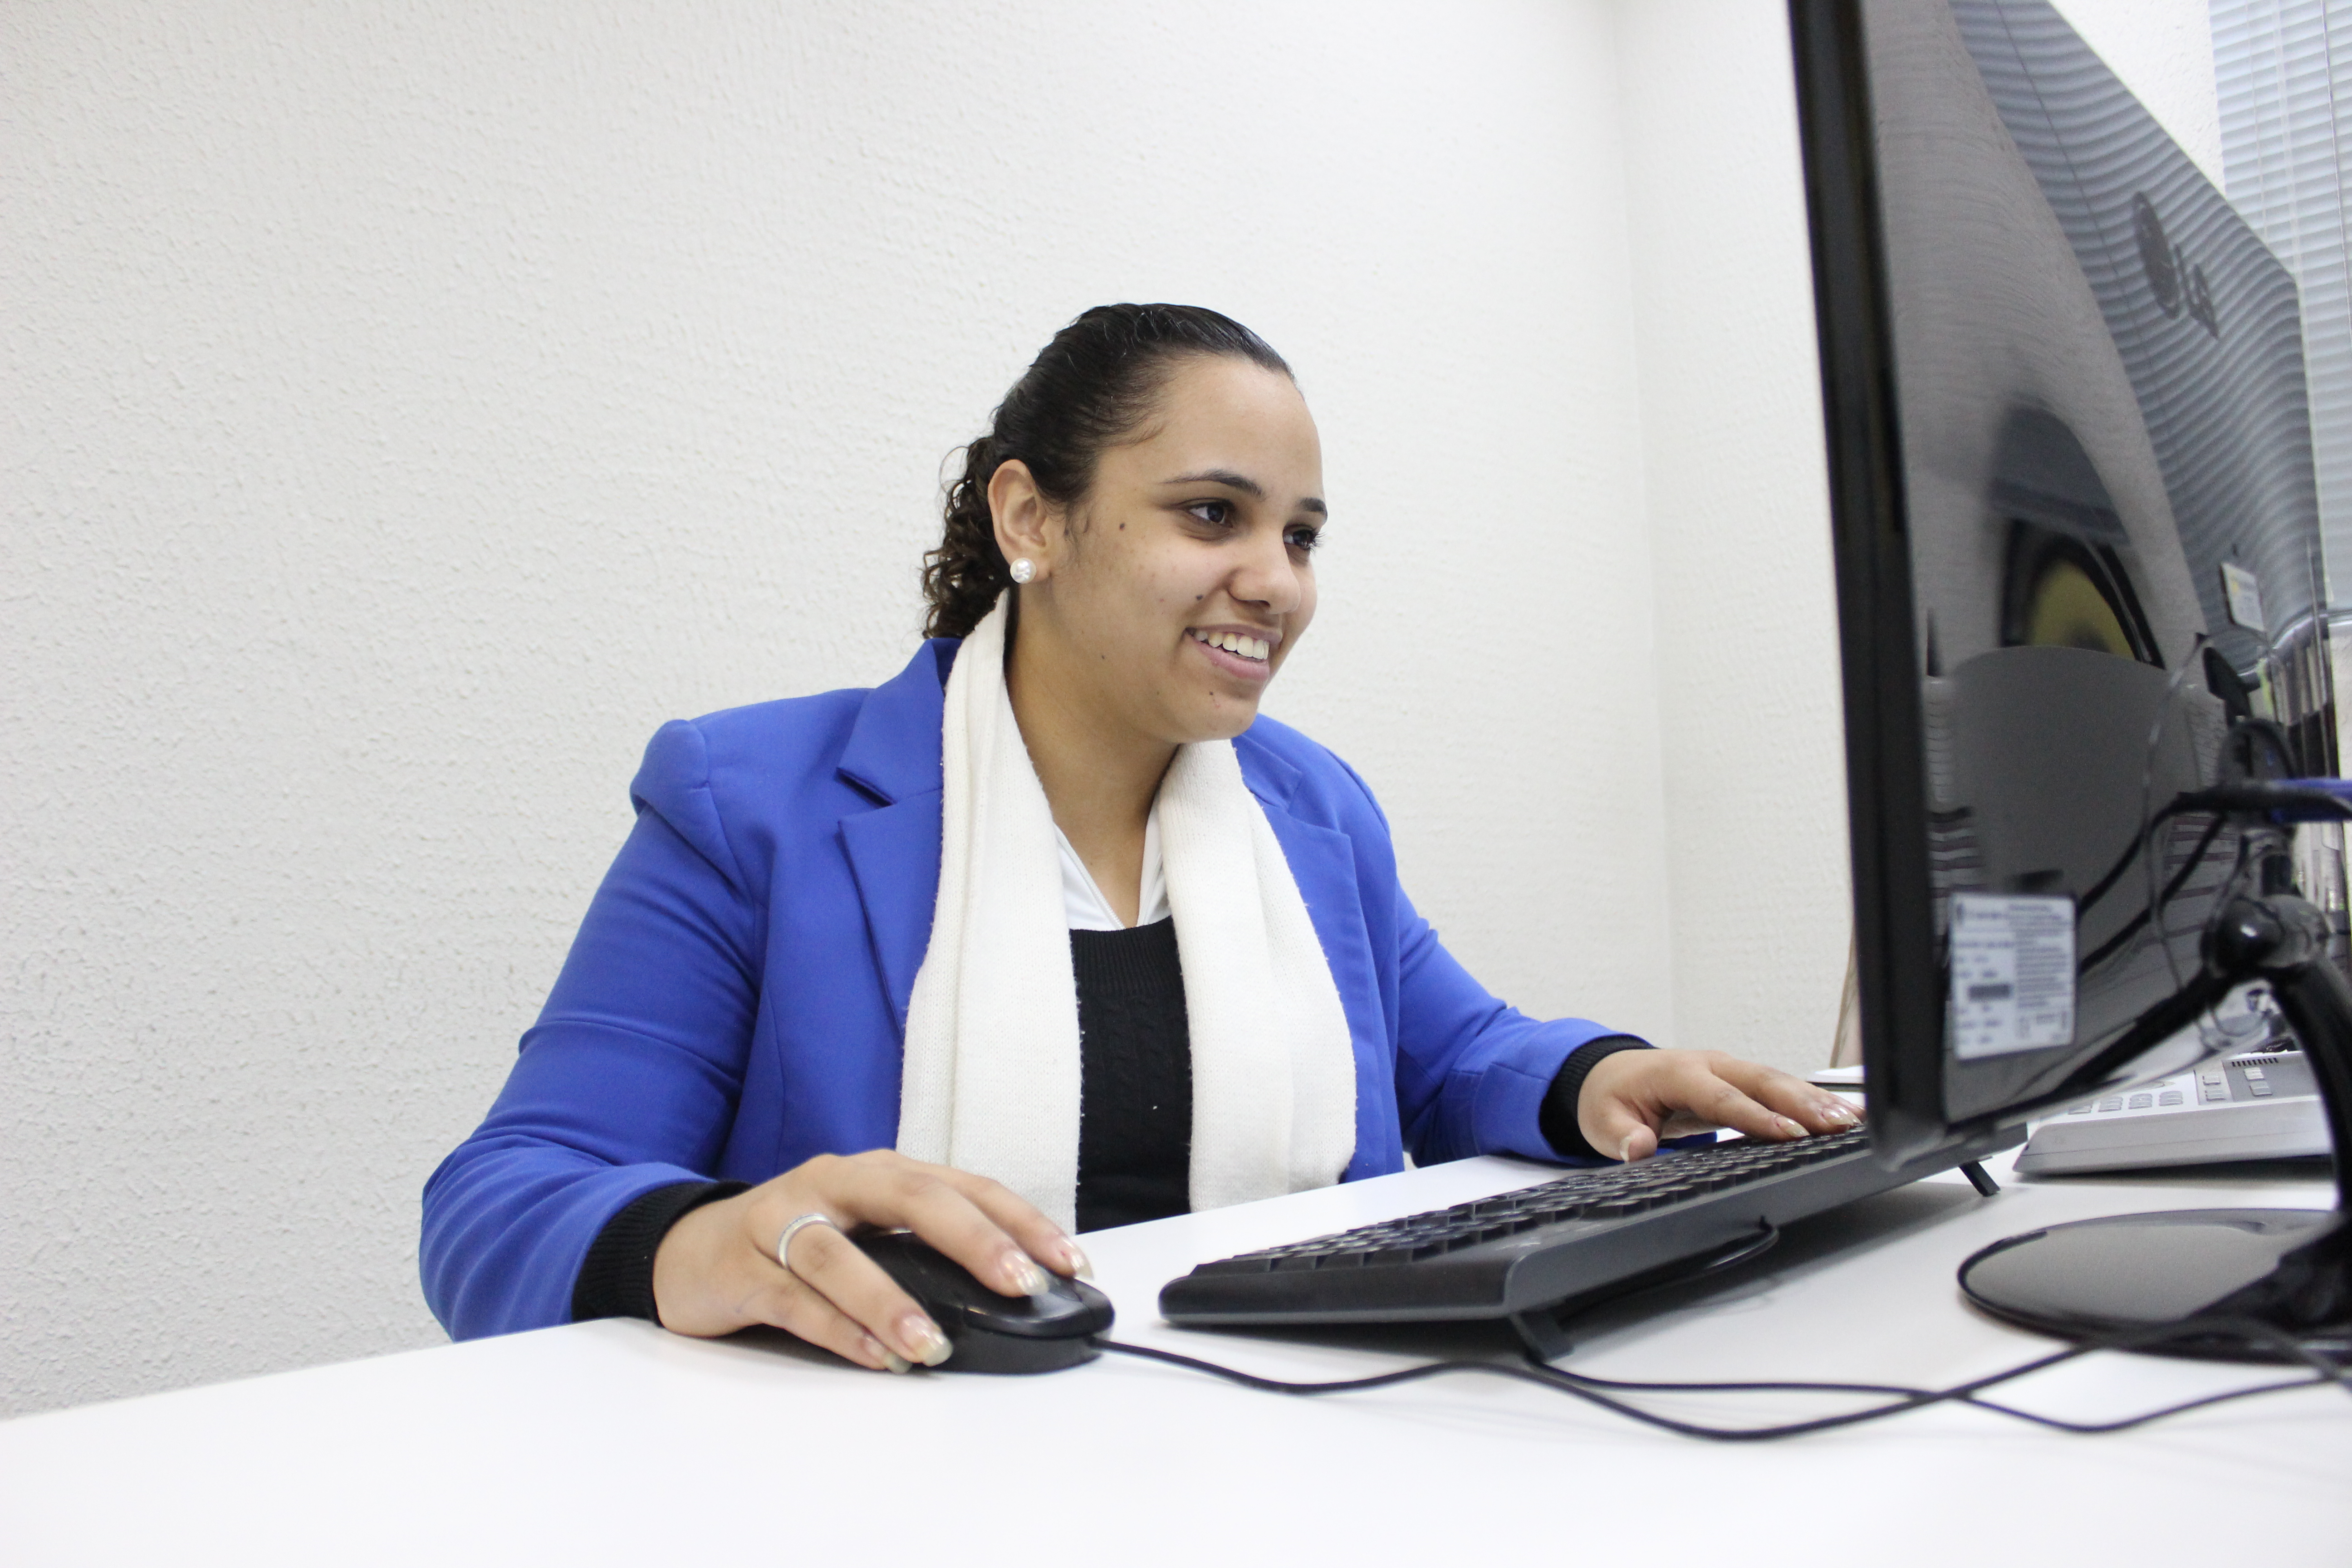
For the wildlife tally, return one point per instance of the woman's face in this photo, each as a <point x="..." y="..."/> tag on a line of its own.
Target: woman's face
<point x="1168" y="596"/>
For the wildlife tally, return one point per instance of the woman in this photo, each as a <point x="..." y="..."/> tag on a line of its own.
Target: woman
<point x="1050" y="932"/>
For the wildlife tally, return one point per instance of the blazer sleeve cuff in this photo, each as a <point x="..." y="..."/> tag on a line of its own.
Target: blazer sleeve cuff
<point x="1559" y="1121"/>
<point x="616" y="1278"/>
<point x="1509" y="1109"/>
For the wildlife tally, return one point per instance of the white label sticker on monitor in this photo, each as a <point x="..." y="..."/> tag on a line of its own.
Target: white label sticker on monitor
<point x="2244" y="592"/>
<point x="2012" y="974"/>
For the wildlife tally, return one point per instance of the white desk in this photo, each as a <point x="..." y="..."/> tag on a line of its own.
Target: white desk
<point x="615" y="1443"/>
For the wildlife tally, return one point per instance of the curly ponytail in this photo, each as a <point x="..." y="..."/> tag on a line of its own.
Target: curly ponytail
<point x="963" y="577"/>
<point x="1089" y="388"/>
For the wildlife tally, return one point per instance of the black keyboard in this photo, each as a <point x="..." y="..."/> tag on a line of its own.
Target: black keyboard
<point x="1582" y="1237"/>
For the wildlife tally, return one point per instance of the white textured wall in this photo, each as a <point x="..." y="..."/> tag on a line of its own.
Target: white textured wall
<point x="405" y="409"/>
<point x="1750" y="713"/>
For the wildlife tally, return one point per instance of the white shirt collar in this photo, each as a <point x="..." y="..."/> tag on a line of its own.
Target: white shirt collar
<point x="1083" y="903"/>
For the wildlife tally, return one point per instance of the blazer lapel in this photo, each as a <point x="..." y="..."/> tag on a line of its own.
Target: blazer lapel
<point x="892" y="757"/>
<point x="1323" y="864"/>
<point x="894" y="854"/>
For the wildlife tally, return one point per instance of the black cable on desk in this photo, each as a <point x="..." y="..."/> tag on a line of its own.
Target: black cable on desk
<point x="1897" y="1398"/>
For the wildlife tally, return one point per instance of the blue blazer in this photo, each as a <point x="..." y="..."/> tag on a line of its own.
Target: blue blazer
<point x="736" y="1000"/>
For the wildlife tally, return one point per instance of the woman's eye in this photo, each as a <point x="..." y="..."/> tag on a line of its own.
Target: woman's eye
<point x="1302" y="538"/>
<point x="1216" y="513"/>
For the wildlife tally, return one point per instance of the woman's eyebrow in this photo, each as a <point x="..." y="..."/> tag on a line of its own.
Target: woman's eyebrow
<point x="1244" y="483"/>
<point x="1225" y="477"/>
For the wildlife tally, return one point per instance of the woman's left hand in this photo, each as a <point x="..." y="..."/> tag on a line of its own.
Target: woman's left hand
<point x="1632" y="1099"/>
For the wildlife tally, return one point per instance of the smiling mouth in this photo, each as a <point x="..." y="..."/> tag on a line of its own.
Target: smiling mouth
<point x="1255" y="649"/>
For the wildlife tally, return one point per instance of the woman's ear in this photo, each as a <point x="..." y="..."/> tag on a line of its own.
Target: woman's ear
<point x="1023" y="516"/>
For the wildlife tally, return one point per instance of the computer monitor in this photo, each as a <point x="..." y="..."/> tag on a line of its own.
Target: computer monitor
<point x="2084" y="631"/>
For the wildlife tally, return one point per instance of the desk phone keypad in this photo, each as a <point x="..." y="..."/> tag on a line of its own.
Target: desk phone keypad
<point x="2261" y="1075"/>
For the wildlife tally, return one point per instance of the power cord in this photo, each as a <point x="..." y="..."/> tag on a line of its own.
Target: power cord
<point x="1895" y="1398"/>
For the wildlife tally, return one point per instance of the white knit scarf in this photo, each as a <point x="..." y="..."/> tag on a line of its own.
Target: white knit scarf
<point x="991" y="1079"/>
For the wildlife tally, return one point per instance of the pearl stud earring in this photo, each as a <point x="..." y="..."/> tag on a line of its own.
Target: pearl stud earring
<point x="1024" y="569"/>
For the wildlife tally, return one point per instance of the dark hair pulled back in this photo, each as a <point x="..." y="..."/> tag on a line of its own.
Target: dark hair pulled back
<point x="1090" y="388"/>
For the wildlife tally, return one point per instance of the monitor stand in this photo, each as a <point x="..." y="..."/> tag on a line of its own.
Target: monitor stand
<point x="2290" y="1269"/>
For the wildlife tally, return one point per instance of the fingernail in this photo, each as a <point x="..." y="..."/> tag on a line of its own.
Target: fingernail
<point x="1076" y="1261"/>
<point x="1789" y="1128"/>
<point x="891" y="1360"/>
<point x="1024" y="1275"/>
<point x="923" y="1339"/>
<point x="1625" y="1150"/>
<point x="1838" y="1111"/>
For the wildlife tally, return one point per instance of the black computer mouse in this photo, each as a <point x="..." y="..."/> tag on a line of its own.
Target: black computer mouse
<point x="992" y="1332"/>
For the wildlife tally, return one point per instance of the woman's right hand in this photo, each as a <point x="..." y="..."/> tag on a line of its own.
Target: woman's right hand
<point x="717" y="1270"/>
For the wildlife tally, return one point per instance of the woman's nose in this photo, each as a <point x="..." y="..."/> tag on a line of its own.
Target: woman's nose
<point x="1267" y="576"/>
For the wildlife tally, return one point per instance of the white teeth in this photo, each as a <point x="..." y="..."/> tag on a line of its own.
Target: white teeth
<point x="1259" y="648"/>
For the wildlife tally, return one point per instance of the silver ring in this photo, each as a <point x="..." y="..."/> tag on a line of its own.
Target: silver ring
<point x="784" y="1242"/>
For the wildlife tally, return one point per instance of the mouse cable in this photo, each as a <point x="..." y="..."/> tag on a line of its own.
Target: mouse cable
<point x="1895" y="1398"/>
